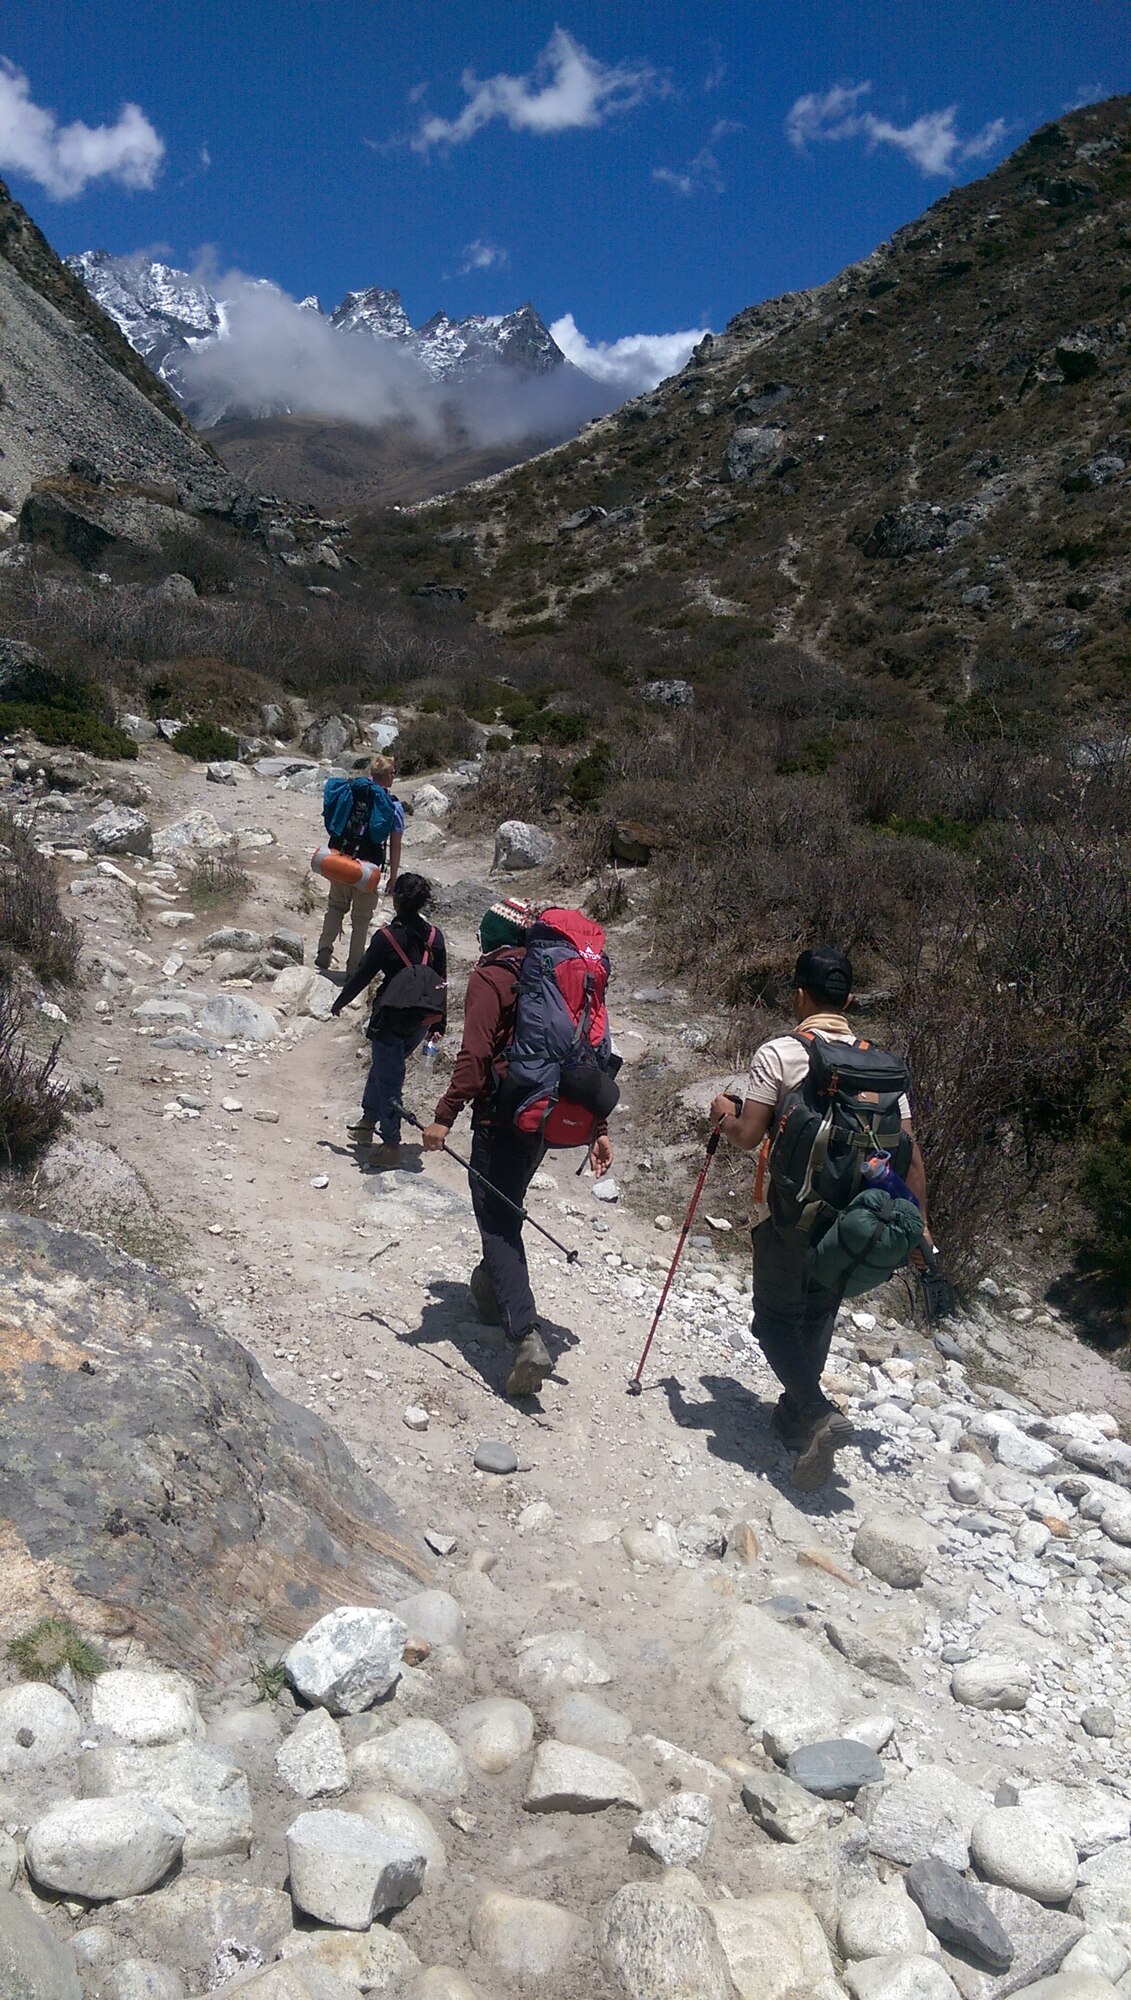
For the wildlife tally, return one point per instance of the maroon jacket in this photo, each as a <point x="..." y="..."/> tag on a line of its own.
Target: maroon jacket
<point x="488" y="1028"/>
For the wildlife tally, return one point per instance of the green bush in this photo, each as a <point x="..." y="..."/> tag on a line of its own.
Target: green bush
<point x="31" y="916"/>
<point x="590" y="775"/>
<point x="66" y="728"/>
<point x="552" y="725"/>
<point x="430" y="741"/>
<point x="940" y="830"/>
<point x="206" y="741"/>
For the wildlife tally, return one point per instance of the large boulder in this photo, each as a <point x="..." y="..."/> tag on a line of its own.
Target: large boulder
<point x="751" y="449"/>
<point x="34" y="1964"/>
<point x="660" y="1946"/>
<point x="54" y="523"/>
<point x="103" y="1849"/>
<point x="328" y="738"/>
<point x="232" y="1017"/>
<point x="345" y="1872"/>
<point x="349" y="1659"/>
<point x="212" y="1513"/>
<point x="519" y="845"/>
<point x="207" y="1794"/>
<point x="123" y="830"/>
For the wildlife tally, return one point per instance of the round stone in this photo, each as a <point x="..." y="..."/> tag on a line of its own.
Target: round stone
<point x="492" y="1455"/>
<point x="991" y="1680"/>
<point x="1024" y="1851"/>
<point x="1098" y="1721"/>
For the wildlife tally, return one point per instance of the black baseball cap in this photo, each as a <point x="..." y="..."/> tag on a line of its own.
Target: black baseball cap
<point x="825" y="973"/>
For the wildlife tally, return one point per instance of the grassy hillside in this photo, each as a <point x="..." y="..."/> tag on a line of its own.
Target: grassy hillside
<point x="917" y="472"/>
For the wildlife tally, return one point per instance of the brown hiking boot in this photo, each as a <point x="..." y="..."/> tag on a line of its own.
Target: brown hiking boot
<point x="817" y="1459"/>
<point x="483" y="1296"/>
<point x="530" y="1367"/>
<point x="361" y="1133"/>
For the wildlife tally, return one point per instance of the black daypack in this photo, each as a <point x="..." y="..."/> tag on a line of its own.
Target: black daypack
<point x="843" y="1116"/>
<point x="416" y="989"/>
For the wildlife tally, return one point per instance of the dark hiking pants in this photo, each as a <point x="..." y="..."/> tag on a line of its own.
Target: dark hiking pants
<point x="507" y="1159"/>
<point x="793" y="1321"/>
<point x="384" y="1086"/>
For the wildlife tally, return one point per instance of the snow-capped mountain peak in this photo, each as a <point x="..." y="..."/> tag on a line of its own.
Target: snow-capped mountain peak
<point x="166" y="313"/>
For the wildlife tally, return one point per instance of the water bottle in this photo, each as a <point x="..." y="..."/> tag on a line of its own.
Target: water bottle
<point x="429" y="1051"/>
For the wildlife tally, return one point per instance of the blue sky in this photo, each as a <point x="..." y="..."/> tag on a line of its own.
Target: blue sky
<point x="643" y="169"/>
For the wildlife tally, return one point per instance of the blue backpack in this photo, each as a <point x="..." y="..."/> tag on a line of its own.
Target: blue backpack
<point x="357" y="809"/>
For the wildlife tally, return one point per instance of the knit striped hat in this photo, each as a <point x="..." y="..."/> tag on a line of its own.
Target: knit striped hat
<point x="505" y="923"/>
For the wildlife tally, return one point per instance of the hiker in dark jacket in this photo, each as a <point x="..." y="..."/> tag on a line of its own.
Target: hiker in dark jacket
<point x="508" y="1158"/>
<point x="395" y="1032"/>
<point x="794" y="1318"/>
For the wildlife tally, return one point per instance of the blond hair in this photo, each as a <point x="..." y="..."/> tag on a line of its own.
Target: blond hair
<point x="382" y="769"/>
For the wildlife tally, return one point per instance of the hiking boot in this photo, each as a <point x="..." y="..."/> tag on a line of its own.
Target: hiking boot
<point x="323" y="960"/>
<point x="387" y="1155"/>
<point x="530" y="1366"/>
<point x="483" y="1296"/>
<point x="789" y="1424"/>
<point x="818" y="1455"/>
<point x="361" y="1133"/>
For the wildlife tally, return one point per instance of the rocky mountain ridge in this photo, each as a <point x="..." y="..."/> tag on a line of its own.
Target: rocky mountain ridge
<point x="917" y="471"/>
<point x="166" y="314"/>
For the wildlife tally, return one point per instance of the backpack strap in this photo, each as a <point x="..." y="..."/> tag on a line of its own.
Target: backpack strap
<point x="428" y="943"/>
<point x="386" y="932"/>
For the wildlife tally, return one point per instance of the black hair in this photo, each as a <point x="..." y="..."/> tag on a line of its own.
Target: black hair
<point x="825" y="973"/>
<point x="410" y="894"/>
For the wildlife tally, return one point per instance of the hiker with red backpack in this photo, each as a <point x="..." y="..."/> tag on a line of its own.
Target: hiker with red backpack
<point x="840" y="1196"/>
<point x="410" y="958"/>
<point x="536" y="1065"/>
<point x="362" y="820"/>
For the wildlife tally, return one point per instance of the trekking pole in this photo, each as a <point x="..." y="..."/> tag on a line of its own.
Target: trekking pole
<point x="634" y="1388"/>
<point x="473" y="1173"/>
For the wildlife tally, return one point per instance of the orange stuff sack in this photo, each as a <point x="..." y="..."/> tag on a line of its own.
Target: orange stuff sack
<point x="363" y="875"/>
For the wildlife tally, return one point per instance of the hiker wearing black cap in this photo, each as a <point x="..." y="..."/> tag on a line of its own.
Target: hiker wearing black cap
<point x="409" y="957"/>
<point x="503" y="1155"/>
<point x="794" y="1317"/>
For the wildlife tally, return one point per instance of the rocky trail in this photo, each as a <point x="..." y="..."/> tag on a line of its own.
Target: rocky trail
<point x="644" y="1721"/>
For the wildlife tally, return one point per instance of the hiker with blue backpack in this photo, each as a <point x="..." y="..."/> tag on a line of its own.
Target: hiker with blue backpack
<point x="364" y="821"/>
<point x="536" y="1065"/>
<point x="840" y="1194"/>
<point x="410" y="1006"/>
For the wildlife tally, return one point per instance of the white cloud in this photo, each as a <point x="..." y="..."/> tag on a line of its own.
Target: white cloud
<point x="64" y="159"/>
<point x="931" y="142"/>
<point x="632" y="364"/>
<point x="480" y="256"/>
<point x="703" y="174"/>
<point x="567" y="89"/>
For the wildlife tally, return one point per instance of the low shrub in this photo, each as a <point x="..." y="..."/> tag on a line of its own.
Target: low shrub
<point x="218" y="876"/>
<point x="66" y="728"/>
<point x="430" y="741"/>
<point x="43" y="1651"/>
<point x="1105" y="1184"/>
<point x="206" y="741"/>
<point x="32" y="923"/>
<point x="590" y="775"/>
<point x="31" y="1104"/>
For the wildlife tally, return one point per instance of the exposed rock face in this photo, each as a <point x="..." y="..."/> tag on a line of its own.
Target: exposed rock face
<point x="186" y="1452"/>
<point x="76" y="390"/>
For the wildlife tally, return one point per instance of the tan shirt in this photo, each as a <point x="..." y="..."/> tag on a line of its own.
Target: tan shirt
<point x="781" y="1065"/>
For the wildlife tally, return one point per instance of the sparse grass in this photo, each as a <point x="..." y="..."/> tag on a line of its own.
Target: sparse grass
<point x="270" y="1679"/>
<point x="218" y="877"/>
<point x="31" y="917"/>
<point x="42" y="1652"/>
<point x="31" y="1105"/>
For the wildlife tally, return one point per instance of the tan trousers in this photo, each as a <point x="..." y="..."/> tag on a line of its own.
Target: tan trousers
<point x="341" y="902"/>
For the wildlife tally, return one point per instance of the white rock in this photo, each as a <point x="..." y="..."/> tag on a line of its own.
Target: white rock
<point x="1092" y="1815"/>
<point x="558" y="1660"/>
<point x="377" y="1960"/>
<point x="655" y="1547"/>
<point x="121" y="830"/>
<point x="965" y="1483"/>
<point x="415" y="1418"/>
<point x="582" y="1719"/>
<point x="776" y="1679"/>
<point x="199" y="831"/>
<point x="430" y="803"/>
<point x="931" y="1811"/>
<point x="881" y="1922"/>
<point x="896" y="1548"/>
<point x="348" y="1660"/>
<point x="676" y="1832"/>
<point x="530" y="1942"/>
<point x="207" y="1793"/>
<point x="400" y="1819"/>
<point x="142" y="1979"/>
<point x="900" y="1977"/>
<point x="417" y="1758"/>
<point x="495" y="1733"/>
<point x="538" y="1516"/>
<point x="145" y="1708"/>
<point x="343" y="1872"/>
<point x="103" y="1849"/>
<point x="37" y="1724"/>
<point x="1020" y="1849"/>
<point x="1069" y="1986"/>
<point x="312" y="1761"/>
<point x="1103" y="1894"/>
<point x="1102" y="1952"/>
<point x="1024" y="1454"/>
<point x="566" y="1779"/>
<point x="1116" y="1520"/>
<point x="660" y="1946"/>
<point x="231" y="1017"/>
<point x="433" y="1615"/>
<point x="774" y="1946"/>
<point x="34" y="1964"/>
<point x="519" y="845"/>
<point x="991" y="1680"/>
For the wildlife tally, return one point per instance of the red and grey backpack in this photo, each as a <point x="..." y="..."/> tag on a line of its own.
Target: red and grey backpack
<point x="556" y="1078"/>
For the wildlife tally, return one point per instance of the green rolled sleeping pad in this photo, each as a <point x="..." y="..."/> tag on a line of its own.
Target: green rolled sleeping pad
<point x="869" y="1240"/>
